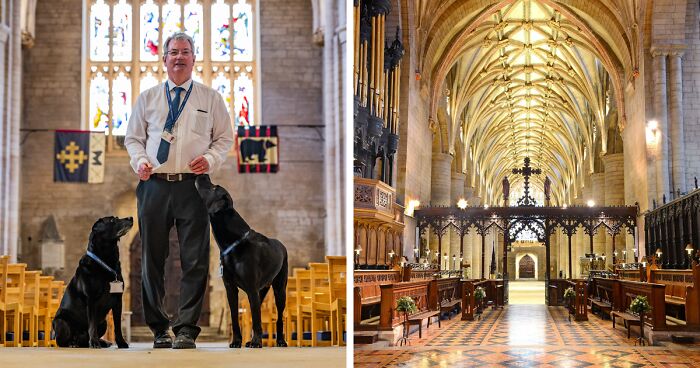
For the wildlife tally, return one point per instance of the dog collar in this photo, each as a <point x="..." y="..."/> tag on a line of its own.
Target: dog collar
<point x="230" y="247"/>
<point x="102" y="263"/>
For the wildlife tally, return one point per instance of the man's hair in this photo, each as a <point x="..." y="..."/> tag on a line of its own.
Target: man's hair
<point x="178" y="36"/>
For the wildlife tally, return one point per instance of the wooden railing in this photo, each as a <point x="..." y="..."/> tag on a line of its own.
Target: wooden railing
<point x="494" y="293"/>
<point x="626" y="291"/>
<point x="367" y="288"/>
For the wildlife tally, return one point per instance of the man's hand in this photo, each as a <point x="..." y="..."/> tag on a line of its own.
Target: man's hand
<point x="199" y="165"/>
<point x="145" y="171"/>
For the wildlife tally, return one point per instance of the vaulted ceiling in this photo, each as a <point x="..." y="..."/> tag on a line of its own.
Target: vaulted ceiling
<point x="526" y="78"/>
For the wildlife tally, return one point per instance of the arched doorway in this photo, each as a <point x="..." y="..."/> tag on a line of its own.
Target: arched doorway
<point x="173" y="273"/>
<point x="526" y="267"/>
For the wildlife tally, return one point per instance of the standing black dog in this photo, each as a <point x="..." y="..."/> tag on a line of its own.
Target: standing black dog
<point x="81" y="318"/>
<point x="250" y="261"/>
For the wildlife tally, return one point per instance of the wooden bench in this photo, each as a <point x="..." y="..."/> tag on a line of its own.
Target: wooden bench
<point x="449" y="294"/>
<point x="367" y="292"/>
<point x="418" y="318"/>
<point x="603" y="295"/>
<point x="627" y="318"/>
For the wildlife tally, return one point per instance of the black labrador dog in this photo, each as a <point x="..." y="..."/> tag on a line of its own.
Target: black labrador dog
<point x="95" y="289"/>
<point x="250" y="261"/>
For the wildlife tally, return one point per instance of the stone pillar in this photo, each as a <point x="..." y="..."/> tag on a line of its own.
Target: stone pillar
<point x="579" y="242"/>
<point x="4" y="158"/>
<point x="440" y="186"/>
<point x="475" y="241"/>
<point x="675" y="117"/>
<point x="456" y="193"/>
<point x="614" y="196"/>
<point x="660" y="114"/>
<point x="598" y="194"/>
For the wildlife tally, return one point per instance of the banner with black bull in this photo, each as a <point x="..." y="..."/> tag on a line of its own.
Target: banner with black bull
<point x="79" y="156"/>
<point x="258" y="149"/>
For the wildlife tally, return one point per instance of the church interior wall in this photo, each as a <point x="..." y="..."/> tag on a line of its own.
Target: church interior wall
<point x="288" y="205"/>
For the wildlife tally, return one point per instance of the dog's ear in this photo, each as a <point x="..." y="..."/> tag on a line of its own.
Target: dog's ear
<point x="100" y="225"/>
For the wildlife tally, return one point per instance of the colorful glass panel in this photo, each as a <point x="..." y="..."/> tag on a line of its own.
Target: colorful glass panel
<point x="149" y="31"/>
<point x="242" y="31"/>
<point x="171" y="19"/>
<point x="223" y="85"/>
<point x="99" y="103"/>
<point x="121" y="37"/>
<point x="220" y="32"/>
<point x="243" y="100"/>
<point x="99" y="31"/>
<point x="194" y="19"/>
<point x="121" y="104"/>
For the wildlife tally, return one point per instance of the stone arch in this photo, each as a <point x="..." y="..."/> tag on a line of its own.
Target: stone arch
<point x="519" y="257"/>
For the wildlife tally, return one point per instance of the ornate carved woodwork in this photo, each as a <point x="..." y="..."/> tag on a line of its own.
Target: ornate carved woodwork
<point x="671" y="228"/>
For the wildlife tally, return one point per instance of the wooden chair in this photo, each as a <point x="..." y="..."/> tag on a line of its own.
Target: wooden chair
<point x="30" y="308"/>
<point x="57" y="290"/>
<point x="43" y="328"/>
<point x="337" y="276"/>
<point x="320" y="303"/>
<point x="268" y="319"/>
<point x="303" y="302"/>
<point x="11" y="300"/>
<point x="290" y="311"/>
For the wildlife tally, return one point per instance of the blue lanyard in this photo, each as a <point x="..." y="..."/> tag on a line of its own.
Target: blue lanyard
<point x="102" y="263"/>
<point x="170" y="102"/>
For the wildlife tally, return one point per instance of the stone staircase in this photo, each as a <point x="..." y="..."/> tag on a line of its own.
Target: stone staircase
<point x="208" y="334"/>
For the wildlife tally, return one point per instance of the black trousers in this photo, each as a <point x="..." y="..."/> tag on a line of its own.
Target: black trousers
<point x="162" y="204"/>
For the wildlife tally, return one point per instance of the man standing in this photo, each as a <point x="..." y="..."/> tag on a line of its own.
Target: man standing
<point x="177" y="130"/>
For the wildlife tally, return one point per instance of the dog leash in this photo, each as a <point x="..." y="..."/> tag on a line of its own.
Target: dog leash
<point x="102" y="263"/>
<point x="230" y="247"/>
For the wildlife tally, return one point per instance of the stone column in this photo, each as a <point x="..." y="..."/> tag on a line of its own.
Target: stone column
<point x="440" y="187"/>
<point x="475" y="241"/>
<point x="598" y="194"/>
<point x="456" y="193"/>
<point x="4" y="158"/>
<point x="614" y="196"/>
<point x="660" y="114"/>
<point x="675" y="117"/>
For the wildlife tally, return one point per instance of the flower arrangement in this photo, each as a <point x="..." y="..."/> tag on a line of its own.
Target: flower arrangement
<point x="640" y="304"/>
<point x="479" y="293"/>
<point x="406" y="304"/>
<point x="569" y="293"/>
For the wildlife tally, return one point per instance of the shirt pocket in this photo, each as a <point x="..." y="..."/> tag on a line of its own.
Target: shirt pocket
<point x="201" y="123"/>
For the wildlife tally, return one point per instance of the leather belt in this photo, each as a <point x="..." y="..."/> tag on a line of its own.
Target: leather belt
<point x="174" y="177"/>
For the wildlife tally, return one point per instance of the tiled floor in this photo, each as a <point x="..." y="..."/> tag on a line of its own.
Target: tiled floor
<point x="526" y="336"/>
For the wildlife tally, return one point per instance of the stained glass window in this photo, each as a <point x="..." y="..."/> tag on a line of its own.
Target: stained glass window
<point x="242" y="32"/>
<point x="99" y="31"/>
<point x="171" y="19"/>
<point x="222" y="84"/>
<point x="99" y="104"/>
<point x="243" y="100"/>
<point x="121" y="103"/>
<point x="220" y="32"/>
<point x="121" y="35"/>
<point x="193" y="26"/>
<point x="149" y="31"/>
<point x="118" y="73"/>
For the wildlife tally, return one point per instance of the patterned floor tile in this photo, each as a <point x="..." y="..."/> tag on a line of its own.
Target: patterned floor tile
<point x="526" y="336"/>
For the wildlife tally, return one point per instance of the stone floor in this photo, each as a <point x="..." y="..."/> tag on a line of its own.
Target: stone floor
<point x="209" y="355"/>
<point x="523" y="335"/>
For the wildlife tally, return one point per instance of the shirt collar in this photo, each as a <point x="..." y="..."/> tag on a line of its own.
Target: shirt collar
<point x="185" y="85"/>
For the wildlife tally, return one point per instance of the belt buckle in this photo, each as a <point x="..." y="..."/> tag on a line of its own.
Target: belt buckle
<point x="175" y="177"/>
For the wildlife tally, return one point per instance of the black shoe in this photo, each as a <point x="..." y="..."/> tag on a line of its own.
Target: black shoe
<point x="162" y="340"/>
<point x="183" y="341"/>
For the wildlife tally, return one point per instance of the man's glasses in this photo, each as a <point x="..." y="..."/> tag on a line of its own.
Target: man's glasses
<point x="185" y="52"/>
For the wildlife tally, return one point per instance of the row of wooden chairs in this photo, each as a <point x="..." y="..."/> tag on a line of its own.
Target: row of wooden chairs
<point x="316" y="306"/>
<point x="28" y="303"/>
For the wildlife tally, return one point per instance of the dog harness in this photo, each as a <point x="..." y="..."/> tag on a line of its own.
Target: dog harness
<point x="102" y="263"/>
<point x="230" y="247"/>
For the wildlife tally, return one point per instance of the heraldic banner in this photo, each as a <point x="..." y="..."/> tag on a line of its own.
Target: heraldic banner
<point x="79" y="156"/>
<point x="258" y="149"/>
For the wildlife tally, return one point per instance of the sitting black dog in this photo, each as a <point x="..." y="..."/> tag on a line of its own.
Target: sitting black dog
<point x="95" y="289"/>
<point x="250" y="261"/>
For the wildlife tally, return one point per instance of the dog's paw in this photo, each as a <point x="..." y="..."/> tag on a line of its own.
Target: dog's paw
<point x="255" y="344"/>
<point x="235" y="344"/>
<point x="281" y="343"/>
<point x="122" y="345"/>
<point x="105" y="344"/>
<point x="95" y="344"/>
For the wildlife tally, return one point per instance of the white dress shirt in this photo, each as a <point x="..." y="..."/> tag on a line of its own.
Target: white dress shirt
<point x="203" y="128"/>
